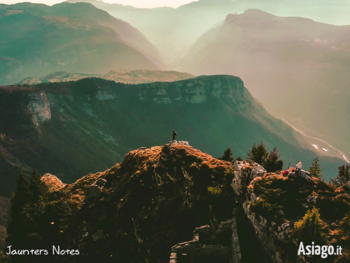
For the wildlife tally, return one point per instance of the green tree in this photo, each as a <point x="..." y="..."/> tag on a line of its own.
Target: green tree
<point x="343" y="176"/>
<point x="22" y="196"/>
<point x="19" y="201"/>
<point x="272" y="162"/>
<point x="315" y="168"/>
<point x="37" y="187"/>
<point x="258" y="153"/>
<point x="227" y="156"/>
<point x="28" y="203"/>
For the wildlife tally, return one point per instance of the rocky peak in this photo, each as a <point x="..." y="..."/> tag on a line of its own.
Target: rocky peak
<point x="52" y="182"/>
<point x="166" y="188"/>
<point x="250" y="16"/>
<point x="174" y="200"/>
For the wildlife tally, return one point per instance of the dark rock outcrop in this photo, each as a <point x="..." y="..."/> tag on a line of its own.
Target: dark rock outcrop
<point x="271" y="204"/>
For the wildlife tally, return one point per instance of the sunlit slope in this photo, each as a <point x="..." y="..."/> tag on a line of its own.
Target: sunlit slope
<point x="298" y="68"/>
<point x="37" y="40"/>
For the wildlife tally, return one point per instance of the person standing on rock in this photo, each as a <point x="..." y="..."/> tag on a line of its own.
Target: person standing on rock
<point x="299" y="166"/>
<point x="174" y="135"/>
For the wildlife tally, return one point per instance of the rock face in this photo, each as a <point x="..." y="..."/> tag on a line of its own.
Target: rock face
<point x="39" y="106"/>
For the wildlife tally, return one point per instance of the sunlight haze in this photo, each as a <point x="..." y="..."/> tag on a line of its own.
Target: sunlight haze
<point x="135" y="3"/>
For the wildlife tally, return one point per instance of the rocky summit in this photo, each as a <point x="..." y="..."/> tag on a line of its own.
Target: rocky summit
<point x="174" y="203"/>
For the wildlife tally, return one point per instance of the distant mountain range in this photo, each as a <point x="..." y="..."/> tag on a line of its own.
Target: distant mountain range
<point x="37" y="40"/>
<point x="117" y="75"/>
<point x="298" y="68"/>
<point x="73" y="128"/>
<point x="174" y="31"/>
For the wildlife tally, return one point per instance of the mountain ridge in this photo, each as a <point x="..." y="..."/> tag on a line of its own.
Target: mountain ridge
<point x="92" y="119"/>
<point x="117" y="75"/>
<point x="265" y="51"/>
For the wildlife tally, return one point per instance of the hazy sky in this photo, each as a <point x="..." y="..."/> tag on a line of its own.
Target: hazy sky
<point x="136" y="3"/>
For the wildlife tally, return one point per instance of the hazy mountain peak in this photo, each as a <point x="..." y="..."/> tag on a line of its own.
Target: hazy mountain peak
<point x="257" y="12"/>
<point x="250" y="15"/>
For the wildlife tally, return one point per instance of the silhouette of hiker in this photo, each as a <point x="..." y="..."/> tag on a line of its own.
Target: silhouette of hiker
<point x="174" y="135"/>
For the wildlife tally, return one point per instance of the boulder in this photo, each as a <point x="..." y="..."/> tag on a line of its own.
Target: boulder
<point x="244" y="173"/>
<point x="302" y="174"/>
<point x="184" y="143"/>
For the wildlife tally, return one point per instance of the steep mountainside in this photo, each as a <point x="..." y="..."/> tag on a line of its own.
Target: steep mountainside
<point x="296" y="67"/>
<point x="73" y="128"/>
<point x="142" y="208"/>
<point x="38" y="40"/>
<point x="117" y="75"/>
<point x="173" y="31"/>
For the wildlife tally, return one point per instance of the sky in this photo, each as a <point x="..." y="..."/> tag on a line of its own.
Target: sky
<point x="135" y="3"/>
